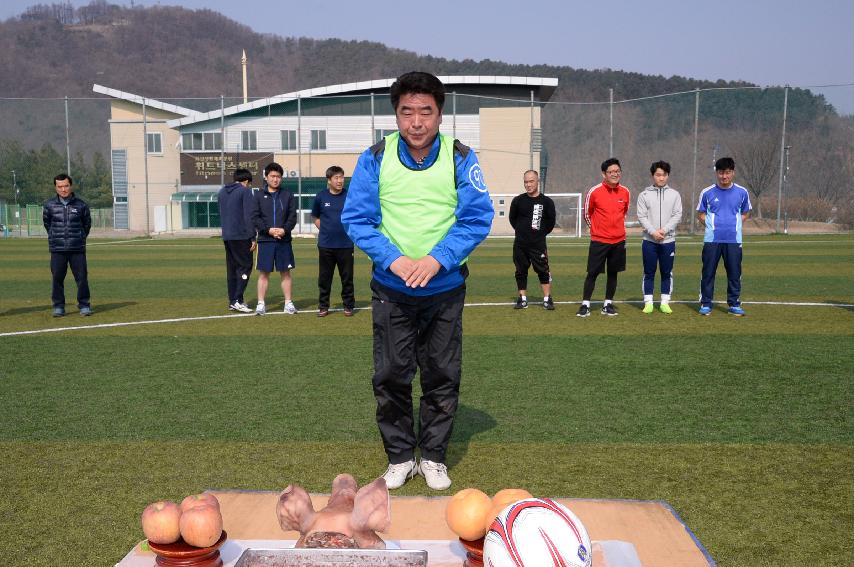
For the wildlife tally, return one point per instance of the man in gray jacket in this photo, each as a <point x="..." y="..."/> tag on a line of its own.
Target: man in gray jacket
<point x="659" y="211"/>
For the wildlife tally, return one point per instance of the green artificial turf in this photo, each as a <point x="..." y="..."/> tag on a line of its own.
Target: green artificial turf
<point x="743" y="425"/>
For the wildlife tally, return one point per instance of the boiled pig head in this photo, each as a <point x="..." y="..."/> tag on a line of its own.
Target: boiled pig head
<point x="350" y="519"/>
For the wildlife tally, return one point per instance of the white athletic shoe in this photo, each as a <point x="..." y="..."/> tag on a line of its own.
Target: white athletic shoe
<point x="396" y="475"/>
<point x="436" y="474"/>
<point x="290" y="308"/>
<point x="261" y="308"/>
<point x="241" y="307"/>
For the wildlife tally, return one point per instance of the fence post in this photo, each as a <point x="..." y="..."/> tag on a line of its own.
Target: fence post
<point x="782" y="156"/>
<point x="145" y="164"/>
<point x="696" y="136"/>
<point x="67" y="141"/>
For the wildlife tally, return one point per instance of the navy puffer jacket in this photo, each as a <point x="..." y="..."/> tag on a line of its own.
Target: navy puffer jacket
<point x="68" y="225"/>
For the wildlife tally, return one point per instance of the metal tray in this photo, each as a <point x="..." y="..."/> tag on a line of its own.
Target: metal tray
<point x="332" y="558"/>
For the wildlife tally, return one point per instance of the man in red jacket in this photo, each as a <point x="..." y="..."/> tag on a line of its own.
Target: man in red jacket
<point x="605" y="209"/>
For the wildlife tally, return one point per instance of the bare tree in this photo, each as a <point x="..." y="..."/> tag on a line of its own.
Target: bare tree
<point x="757" y="162"/>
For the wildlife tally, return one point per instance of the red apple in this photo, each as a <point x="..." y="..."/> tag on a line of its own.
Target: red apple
<point x="201" y="526"/>
<point x="205" y="498"/>
<point x="161" y="522"/>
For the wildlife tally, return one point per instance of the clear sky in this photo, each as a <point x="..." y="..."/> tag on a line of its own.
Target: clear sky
<point x="767" y="42"/>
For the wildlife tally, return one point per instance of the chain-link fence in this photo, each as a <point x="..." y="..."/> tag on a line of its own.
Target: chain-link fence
<point x="793" y="151"/>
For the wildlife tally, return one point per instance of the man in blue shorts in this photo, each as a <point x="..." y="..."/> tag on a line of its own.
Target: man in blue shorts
<point x="723" y="208"/>
<point x="274" y="216"/>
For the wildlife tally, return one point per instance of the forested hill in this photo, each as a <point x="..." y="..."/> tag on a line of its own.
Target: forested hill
<point x="166" y="52"/>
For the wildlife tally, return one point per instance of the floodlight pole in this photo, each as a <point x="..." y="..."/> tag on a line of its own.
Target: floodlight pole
<point x="694" y="175"/>
<point x="611" y="136"/>
<point x="531" y="134"/>
<point x="782" y="156"/>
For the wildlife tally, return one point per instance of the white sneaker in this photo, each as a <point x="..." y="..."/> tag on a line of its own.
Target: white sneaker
<point x="242" y="307"/>
<point x="290" y="308"/>
<point x="396" y="475"/>
<point x="261" y="308"/>
<point x="436" y="474"/>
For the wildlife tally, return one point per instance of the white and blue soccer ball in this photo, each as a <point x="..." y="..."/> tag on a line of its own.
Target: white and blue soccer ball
<point x="537" y="532"/>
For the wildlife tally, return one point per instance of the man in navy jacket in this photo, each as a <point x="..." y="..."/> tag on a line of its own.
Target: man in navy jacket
<point x="238" y="236"/>
<point x="67" y="221"/>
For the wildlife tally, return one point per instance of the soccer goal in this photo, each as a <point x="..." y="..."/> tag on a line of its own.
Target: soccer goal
<point x="567" y="211"/>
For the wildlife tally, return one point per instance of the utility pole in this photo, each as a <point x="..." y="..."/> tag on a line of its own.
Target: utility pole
<point x="782" y="147"/>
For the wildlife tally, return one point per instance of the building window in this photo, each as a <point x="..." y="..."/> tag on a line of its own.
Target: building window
<point x="212" y="141"/>
<point x="318" y="139"/>
<point x="201" y="141"/>
<point x="154" y="143"/>
<point x="289" y="139"/>
<point x="248" y="140"/>
<point x="381" y="133"/>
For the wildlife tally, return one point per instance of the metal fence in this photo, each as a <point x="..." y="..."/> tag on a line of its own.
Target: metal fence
<point x="794" y="152"/>
<point x="26" y="220"/>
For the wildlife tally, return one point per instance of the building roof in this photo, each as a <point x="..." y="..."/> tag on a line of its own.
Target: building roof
<point x="153" y="103"/>
<point x="546" y="86"/>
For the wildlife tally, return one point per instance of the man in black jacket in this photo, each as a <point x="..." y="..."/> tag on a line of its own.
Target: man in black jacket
<point x="532" y="216"/>
<point x="67" y="221"/>
<point x="238" y="236"/>
<point x="274" y="216"/>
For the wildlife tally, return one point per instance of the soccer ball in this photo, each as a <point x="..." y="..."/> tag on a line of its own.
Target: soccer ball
<point x="537" y="532"/>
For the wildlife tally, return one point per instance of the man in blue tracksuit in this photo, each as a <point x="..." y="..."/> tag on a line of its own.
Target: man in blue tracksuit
<point x="418" y="206"/>
<point x="238" y="236"/>
<point x="723" y="208"/>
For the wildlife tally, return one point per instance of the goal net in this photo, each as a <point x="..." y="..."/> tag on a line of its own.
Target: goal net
<point x="567" y="211"/>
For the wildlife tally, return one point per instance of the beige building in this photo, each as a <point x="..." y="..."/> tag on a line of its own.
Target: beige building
<point x="169" y="161"/>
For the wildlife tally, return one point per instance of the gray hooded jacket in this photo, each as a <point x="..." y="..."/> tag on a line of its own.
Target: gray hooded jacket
<point x="659" y="208"/>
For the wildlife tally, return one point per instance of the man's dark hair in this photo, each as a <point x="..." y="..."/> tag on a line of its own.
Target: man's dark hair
<point x="609" y="162"/>
<point x="725" y="163"/>
<point x="662" y="165"/>
<point x="334" y="170"/>
<point x="273" y="166"/>
<point x="241" y="175"/>
<point x="418" y="82"/>
<point x="63" y="177"/>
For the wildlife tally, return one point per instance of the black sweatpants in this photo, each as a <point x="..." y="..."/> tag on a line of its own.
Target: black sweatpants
<point x="59" y="262"/>
<point x="327" y="259"/>
<point x="412" y="333"/>
<point x="238" y="267"/>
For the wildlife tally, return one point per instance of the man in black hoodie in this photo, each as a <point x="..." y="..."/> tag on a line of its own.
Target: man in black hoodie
<point x="238" y="236"/>
<point x="67" y="221"/>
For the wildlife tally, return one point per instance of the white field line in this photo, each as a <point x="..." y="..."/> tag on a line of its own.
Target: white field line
<point x="314" y="311"/>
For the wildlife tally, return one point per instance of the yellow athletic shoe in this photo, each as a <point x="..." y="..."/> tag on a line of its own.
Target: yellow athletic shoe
<point x="665" y="309"/>
<point x="647" y="308"/>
